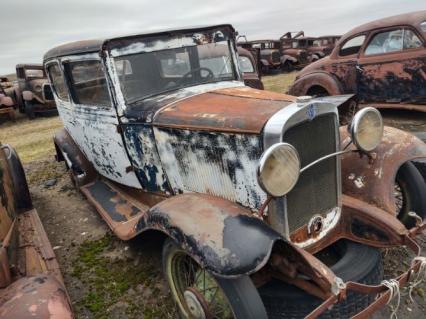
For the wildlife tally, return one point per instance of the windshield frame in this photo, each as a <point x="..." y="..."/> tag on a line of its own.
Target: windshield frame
<point x="133" y="47"/>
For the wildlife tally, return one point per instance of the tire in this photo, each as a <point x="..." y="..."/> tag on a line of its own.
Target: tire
<point x="412" y="188"/>
<point x="356" y="262"/>
<point x="21" y="193"/>
<point x="29" y="110"/>
<point x="287" y="67"/>
<point x="240" y="293"/>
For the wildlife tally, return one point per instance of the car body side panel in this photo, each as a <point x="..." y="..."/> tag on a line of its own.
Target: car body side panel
<point x="140" y="144"/>
<point x="218" y="164"/>
<point x="395" y="78"/>
<point x="95" y="132"/>
<point x="373" y="180"/>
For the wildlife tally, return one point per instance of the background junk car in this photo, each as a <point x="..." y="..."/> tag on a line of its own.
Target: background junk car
<point x="30" y="280"/>
<point x="33" y="92"/>
<point x="383" y="62"/>
<point x="161" y="134"/>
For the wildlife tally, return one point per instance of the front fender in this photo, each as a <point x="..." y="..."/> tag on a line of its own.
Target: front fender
<point x="302" y="85"/>
<point x="373" y="180"/>
<point x="220" y="235"/>
<point x="264" y="62"/>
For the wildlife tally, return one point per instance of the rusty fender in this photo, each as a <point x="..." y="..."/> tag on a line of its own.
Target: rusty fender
<point x="372" y="179"/>
<point x="226" y="239"/>
<point x="68" y="151"/>
<point x="29" y="96"/>
<point x="328" y="82"/>
<point x="39" y="297"/>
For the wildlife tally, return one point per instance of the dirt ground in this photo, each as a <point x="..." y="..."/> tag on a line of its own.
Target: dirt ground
<point x="109" y="278"/>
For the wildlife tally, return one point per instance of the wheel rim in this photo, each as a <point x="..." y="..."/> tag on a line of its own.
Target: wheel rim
<point x="399" y="198"/>
<point x="196" y="292"/>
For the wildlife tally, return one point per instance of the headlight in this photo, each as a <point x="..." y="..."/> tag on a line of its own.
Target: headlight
<point x="37" y="88"/>
<point x="367" y="129"/>
<point x="279" y="169"/>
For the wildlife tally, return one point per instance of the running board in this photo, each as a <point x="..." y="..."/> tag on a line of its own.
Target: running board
<point x="121" y="212"/>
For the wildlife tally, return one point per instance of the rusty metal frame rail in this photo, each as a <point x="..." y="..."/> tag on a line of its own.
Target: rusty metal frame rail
<point x="384" y="291"/>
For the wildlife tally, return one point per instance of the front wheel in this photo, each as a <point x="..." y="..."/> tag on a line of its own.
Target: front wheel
<point x="201" y="295"/>
<point x="29" y="110"/>
<point x="410" y="190"/>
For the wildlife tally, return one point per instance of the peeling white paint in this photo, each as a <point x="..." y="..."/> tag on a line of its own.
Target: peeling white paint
<point x="192" y="170"/>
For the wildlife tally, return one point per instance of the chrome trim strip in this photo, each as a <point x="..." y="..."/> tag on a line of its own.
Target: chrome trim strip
<point x="274" y="130"/>
<point x="324" y="158"/>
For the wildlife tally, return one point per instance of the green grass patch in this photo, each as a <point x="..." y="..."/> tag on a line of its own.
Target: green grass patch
<point x="108" y="282"/>
<point x="32" y="139"/>
<point x="279" y="82"/>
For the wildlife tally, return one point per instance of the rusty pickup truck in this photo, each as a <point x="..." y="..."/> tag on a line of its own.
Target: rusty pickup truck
<point x="250" y="188"/>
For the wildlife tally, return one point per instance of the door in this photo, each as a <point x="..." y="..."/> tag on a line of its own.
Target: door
<point x="92" y="121"/>
<point x="344" y="68"/>
<point x="393" y="67"/>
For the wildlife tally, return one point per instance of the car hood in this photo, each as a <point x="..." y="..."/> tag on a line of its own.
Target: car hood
<point x="237" y="109"/>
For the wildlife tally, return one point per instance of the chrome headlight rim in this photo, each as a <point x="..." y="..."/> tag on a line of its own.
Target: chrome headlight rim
<point x="356" y="122"/>
<point x="263" y="161"/>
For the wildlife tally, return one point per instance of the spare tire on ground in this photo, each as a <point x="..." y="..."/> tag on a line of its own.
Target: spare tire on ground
<point x="349" y="261"/>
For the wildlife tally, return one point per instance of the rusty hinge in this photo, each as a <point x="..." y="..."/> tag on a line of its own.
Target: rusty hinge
<point x="119" y="129"/>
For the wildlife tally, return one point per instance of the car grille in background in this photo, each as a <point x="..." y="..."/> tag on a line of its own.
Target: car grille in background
<point x="47" y="91"/>
<point x="276" y="57"/>
<point x="316" y="191"/>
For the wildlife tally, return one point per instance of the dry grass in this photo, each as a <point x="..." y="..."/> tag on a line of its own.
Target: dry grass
<point x="279" y="83"/>
<point x="31" y="139"/>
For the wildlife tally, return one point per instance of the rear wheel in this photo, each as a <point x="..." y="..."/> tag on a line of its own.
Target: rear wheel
<point x="349" y="261"/>
<point x="201" y="295"/>
<point x="410" y="194"/>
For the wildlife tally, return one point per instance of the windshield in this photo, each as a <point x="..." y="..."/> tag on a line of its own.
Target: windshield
<point x="159" y="71"/>
<point x="34" y="73"/>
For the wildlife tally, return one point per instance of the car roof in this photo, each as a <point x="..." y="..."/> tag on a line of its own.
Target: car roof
<point x="91" y="46"/>
<point x="29" y="65"/>
<point x="412" y="18"/>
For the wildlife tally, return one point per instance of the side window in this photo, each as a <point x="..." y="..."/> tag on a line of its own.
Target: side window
<point x="246" y="65"/>
<point x="411" y="40"/>
<point x="352" y="46"/>
<point x="384" y="42"/>
<point x="423" y="26"/>
<point x="88" y="83"/>
<point x="58" y="82"/>
<point x="20" y="73"/>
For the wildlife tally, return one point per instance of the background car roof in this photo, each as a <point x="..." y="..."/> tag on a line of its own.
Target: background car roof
<point x="90" y="46"/>
<point x="412" y="18"/>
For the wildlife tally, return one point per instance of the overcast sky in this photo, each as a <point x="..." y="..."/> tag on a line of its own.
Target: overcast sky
<point x="30" y="28"/>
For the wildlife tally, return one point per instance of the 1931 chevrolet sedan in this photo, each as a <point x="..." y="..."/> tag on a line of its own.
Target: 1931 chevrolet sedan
<point x="161" y="134"/>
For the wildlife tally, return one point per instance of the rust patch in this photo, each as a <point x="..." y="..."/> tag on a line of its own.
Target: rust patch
<point x="241" y="110"/>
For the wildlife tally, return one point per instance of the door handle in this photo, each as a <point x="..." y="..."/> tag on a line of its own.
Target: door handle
<point x="359" y="68"/>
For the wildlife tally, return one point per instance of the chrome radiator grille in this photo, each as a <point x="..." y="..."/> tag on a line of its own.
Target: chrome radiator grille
<point x="316" y="192"/>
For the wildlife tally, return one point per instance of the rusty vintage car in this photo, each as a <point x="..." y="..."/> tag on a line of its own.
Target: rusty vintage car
<point x="7" y="105"/>
<point x="296" y="48"/>
<point x="249" y="67"/>
<point x="31" y="284"/>
<point x="324" y="45"/>
<point x="246" y="185"/>
<point x="270" y="54"/>
<point x="383" y="62"/>
<point x="33" y="93"/>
